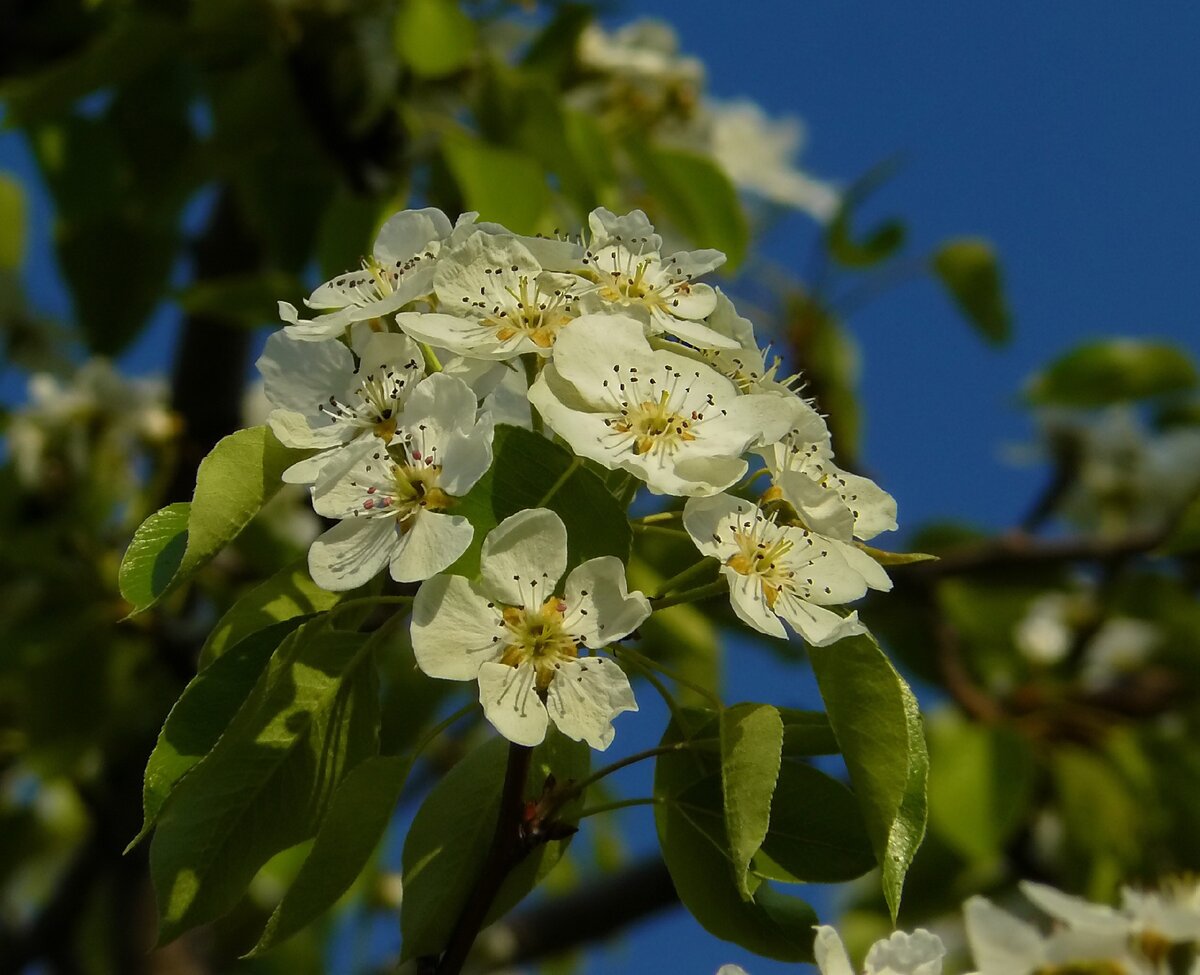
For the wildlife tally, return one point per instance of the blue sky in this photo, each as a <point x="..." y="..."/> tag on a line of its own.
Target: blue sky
<point x="1067" y="134"/>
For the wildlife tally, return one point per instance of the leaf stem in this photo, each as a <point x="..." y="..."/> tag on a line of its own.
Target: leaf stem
<point x="658" y="517"/>
<point x="432" y="362"/>
<point x="645" y="664"/>
<point x="578" y="788"/>
<point x="507" y="850"/>
<point x="365" y="601"/>
<point x="576" y="463"/>
<point x="686" y="577"/>
<point x="604" y="807"/>
<point x="533" y="367"/>
<point x="691" y="595"/>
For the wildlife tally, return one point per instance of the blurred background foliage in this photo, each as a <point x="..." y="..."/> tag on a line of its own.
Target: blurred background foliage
<point x="218" y="156"/>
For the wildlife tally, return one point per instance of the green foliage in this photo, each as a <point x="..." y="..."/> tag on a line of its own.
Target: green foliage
<point x="968" y="269"/>
<point x="692" y="831"/>
<point x="751" y="751"/>
<point x="232" y="484"/>
<point x="434" y="37"/>
<point x="530" y="472"/>
<point x="1112" y="371"/>
<point x="311" y="717"/>
<point x="980" y="786"/>
<point x="878" y="726"/>
<point x="875" y="247"/>
<point x="288" y="594"/>
<point x="508" y="186"/>
<point x="358" y="814"/>
<point x="452" y="832"/>
<point x="697" y="196"/>
<point x="12" y="224"/>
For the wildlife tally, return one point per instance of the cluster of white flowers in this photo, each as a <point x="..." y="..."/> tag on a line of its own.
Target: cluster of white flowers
<point x="93" y="423"/>
<point x="637" y="71"/>
<point x="621" y="352"/>
<point x="1151" y="933"/>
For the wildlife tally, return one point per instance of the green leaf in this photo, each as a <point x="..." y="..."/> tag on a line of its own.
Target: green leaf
<point x="878" y="726"/>
<point x="880" y="243"/>
<point x="154" y="555"/>
<point x="451" y="833"/>
<point x="360" y="811"/>
<point x="554" y="50"/>
<point x="968" y="269"/>
<point x="1112" y="371"/>
<point x="1185" y="534"/>
<point x="980" y="786"/>
<point x="751" y="750"/>
<point x="690" y="820"/>
<point x="697" y="196"/>
<point x="434" y="37"/>
<point x="234" y="481"/>
<point x="287" y="594"/>
<point x="895" y="558"/>
<point x="12" y="223"/>
<point x="816" y="834"/>
<point x="201" y="714"/>
<point x="806" y="733"/>
<point x="528" y="471"/>
<point x="312" y="716"/>
<point x="505" y="186"/>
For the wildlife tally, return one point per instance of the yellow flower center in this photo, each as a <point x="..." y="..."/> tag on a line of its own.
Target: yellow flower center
<point x="655" y="425"/>
<point x="536" y="314"/>
<point x="758" y="557"/>
<point x="538" y="638"/>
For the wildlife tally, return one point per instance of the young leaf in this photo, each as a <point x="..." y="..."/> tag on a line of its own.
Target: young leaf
<point x="529" y="471"/>
<point x="895" y="558"/>
<point x="697" y="196"/>
<point x="507" y="186"/>
<point x="234" y="481"/>
<point x="452" y="832"/>
<point x="359" y="813"/>
<point x="751" y="749"/>
<point x="878" y="726"/>
<point x="434" y="37"/>
<point x="265" y="786"/>
<point x="968" y="270"/>
<point x="287" y="594"/>
<point x="690" y="819"/>
<point x="1112" y="371"/>
<point x="201" y="714"/>
<point x="878" y="245"/>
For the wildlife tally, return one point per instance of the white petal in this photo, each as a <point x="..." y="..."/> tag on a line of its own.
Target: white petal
<point x="388" y="351"/>
<point x="464" y="335"/>
<point x="1000" y="943"/>
<point x="406" y="233"/>
<point x="830" y="953"/>
<point x="711" y="521"/>
<point x="308" y="470"/>
<point x="750" y="605"/>
<point x="1074" y="911"/>
<point x="299" y="375"/>
<point x="294" y="430"/>
<point x="875" y="509"/>
<point x="862" y="564"/>
<point x="697" y="476"/>
<point x="819" y="627"/>
<point x="443" y="404"/>
<point x="523" y="557"/>
<point x="600" y="609"/>
<point x="821" y="507"/>
<point x="454" y="628"/>
<point x="351" y="553"/>
<point x="632" y="228"/>
<point x="466" y="457"/>
<point x="433" y="542"/>
<point x="592" y="340"/>
<point x="584" y="697"/>
<point x="511" y="704"/>
<point x="919" y="953"/>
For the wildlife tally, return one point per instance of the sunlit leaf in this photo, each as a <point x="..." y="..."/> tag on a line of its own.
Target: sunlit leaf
<point x="968" y="269"/>
<point x="1113" y="371"/>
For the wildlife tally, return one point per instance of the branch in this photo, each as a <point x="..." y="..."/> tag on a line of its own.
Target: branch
<point x="592" y="913"/>
<point x="1018" y="549"/>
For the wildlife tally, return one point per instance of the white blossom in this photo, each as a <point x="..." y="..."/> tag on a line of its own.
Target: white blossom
<point x="674" y="423"/>
<point x="919" y="953"/>
<point x="831" y="501"/>
<point x="520" y="635"/>
<point x="776" y="572"/>
<point x="759" y="155"/>
<point x="396" y="503"/>
<point x="1002" y="944"/>
<point x="399" y="270"/>
<point x="344" y="403"/>
<point x="630" y="276"/>
<point x="495" y="301"/>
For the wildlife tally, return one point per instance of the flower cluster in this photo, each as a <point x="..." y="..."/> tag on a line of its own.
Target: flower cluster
<point x="624" y="354"/>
